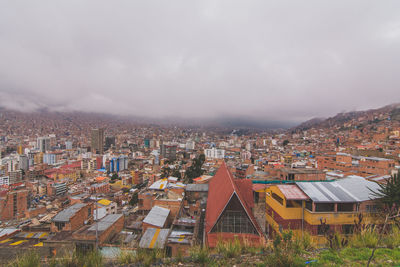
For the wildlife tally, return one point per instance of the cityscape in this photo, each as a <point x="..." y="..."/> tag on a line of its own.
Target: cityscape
<point x="173" y="188"/>
<point x="199" y="134"/>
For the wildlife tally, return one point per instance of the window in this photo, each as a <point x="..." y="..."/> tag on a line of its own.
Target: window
<point x="15" y="209"/>
<point x="322" y="229"/>
<point x="371" y="208"/>
<point x="293" y="203"/>
<point x="324" y="207"/>
<point x="234" y="219"/>
<point x="234" y="222"/>
<point x="277" y="198"/>
<point x="60" y="225"/>
<point x="345" y="207"/>
<point x="89" y="212"/>
<point x="309" y="205"/>
<point x="347" y="229"/>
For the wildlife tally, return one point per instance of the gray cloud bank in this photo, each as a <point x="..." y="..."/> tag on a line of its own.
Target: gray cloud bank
<point x="273" y="60"/>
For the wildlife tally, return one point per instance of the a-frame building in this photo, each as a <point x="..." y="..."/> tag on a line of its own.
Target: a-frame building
<point x="229" y="210"/>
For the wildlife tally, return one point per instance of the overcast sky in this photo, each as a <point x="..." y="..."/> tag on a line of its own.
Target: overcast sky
<point x="280" y="60"/>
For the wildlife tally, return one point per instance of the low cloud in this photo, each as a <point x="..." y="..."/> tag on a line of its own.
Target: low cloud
<point x="267" y="60"/>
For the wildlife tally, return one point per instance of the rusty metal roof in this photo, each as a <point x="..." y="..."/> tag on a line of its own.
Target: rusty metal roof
<point x="292" y="192"/>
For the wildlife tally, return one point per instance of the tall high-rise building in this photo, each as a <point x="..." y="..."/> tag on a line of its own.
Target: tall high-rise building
<point x="168" y="151"/>
<point x="68" y="145"/>
<point x="98" y="141"/>
<point x="23" y="162"/>
<point x="43" y="144"/>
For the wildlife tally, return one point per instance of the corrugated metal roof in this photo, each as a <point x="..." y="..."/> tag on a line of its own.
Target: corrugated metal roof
<point x="186" y="220"/>
<point x="106" y="222"/>
<point x="159" y="184"/>
<point x="41" y="235"/>
<point x="176" y="185"/>
<point x="182" y="237"/>
<point x="197" y="188"/>
<point x="325" y="192"/>
<point x="157" y="216"/>
<point x="154" y="238"/>
<point x="347" y="190"/>
<point x="7" y="231"/>
<point x="66" y="214"/>
<point x="292" y="192"/>
<point x="359" y="187"/>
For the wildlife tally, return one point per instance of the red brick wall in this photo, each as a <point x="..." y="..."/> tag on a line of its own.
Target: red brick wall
<point x="80" y="217"/>
<point x="7" y="205"/>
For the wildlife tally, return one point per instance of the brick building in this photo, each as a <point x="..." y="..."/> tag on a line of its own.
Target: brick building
<point x="72" y="218"/>
<point x="13" y="203"/>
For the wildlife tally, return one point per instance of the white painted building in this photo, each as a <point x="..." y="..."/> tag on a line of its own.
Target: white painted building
<point x="214" y="153"/>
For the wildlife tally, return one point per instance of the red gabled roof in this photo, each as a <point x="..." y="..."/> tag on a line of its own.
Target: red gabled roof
<point x="73" y="165"/>
<point x="245" y="187"/>
<point x="257" y="187"/>
<point x="221" y="188"/>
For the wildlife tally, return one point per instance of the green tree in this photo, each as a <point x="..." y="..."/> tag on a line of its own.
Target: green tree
<point x="176" y="173"/>
<point x="165" y="172"/>
<point x="135" y="199"/>
<point x="114" y="177"/>
<point x="195" y="170"/>
<point x="285" y="142"/>
<point x="388" y="194"/>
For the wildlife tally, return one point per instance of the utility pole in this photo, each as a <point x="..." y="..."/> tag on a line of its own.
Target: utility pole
<point x="95" y="221"/>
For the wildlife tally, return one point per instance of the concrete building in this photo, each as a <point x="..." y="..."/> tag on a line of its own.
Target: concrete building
<point x="23" y="162"/>
<point x="68" y="145"/>
<point x="4" y="180"/>
<point x="190" y="145"/>
<point x="15" y="176"/>
<point x="168" y="151"/>
<point x="214" y="153"/>
<point x="43" y="144"/>
<point x="97" y="144"/>
<point x="49" y="158"/>
<point x="56" y="189"/>
<point x="109" y="206"/>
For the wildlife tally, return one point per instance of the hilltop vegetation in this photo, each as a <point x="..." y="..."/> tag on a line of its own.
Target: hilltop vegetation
<point x="285" y="250"/>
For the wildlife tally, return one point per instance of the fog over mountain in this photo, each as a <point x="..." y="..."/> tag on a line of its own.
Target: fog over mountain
<point x="279" y="62"/>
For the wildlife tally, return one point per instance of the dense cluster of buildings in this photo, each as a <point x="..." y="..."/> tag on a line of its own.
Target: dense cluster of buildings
<point x="74" y="187"/>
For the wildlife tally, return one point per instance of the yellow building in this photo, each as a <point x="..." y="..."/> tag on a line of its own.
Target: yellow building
<point x="20" y="150"/>
<point x="301" y="206"/>
<point x="38" y="158"/>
